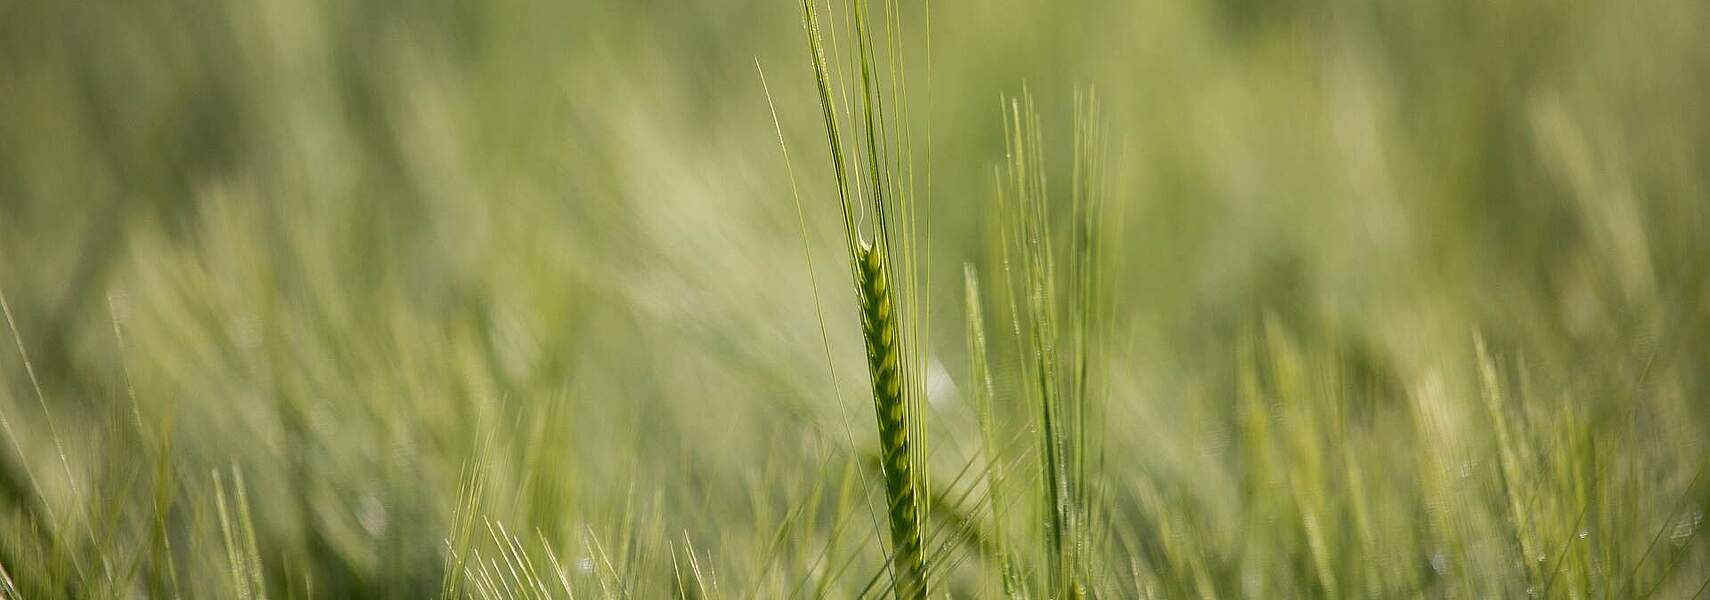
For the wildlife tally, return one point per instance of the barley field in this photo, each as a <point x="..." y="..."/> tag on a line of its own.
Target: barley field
<point x="843" y="299"/>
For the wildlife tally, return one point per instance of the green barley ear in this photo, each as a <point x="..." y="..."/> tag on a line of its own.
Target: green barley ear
<point x="884" y="359"/>
<point x="1022" y="198"/>
<point x="1509" y="462"/>
<point x="876" y="188"/>
<point x="1057" y="322"/>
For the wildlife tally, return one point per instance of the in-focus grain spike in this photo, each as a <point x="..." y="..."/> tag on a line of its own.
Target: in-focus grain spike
<point x="879" y="327"/>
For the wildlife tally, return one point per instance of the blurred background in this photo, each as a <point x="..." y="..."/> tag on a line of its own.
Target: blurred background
<point x="348" y="253"/>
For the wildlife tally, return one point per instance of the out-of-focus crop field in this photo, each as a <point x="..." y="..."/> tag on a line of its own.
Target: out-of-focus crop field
<point x="315" y="298"/>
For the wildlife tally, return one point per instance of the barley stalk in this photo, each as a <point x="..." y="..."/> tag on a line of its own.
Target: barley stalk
<point x="1059" y="362"/>
<point x="980" y="376"/>
<point x="877" y="268"/>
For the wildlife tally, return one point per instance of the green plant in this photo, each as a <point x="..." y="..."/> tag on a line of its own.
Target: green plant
<point x="1059" y="376"/>
<point x="878" y="267"/>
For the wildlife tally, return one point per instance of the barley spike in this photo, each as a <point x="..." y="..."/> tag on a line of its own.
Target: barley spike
<point x="879" y="326"/>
